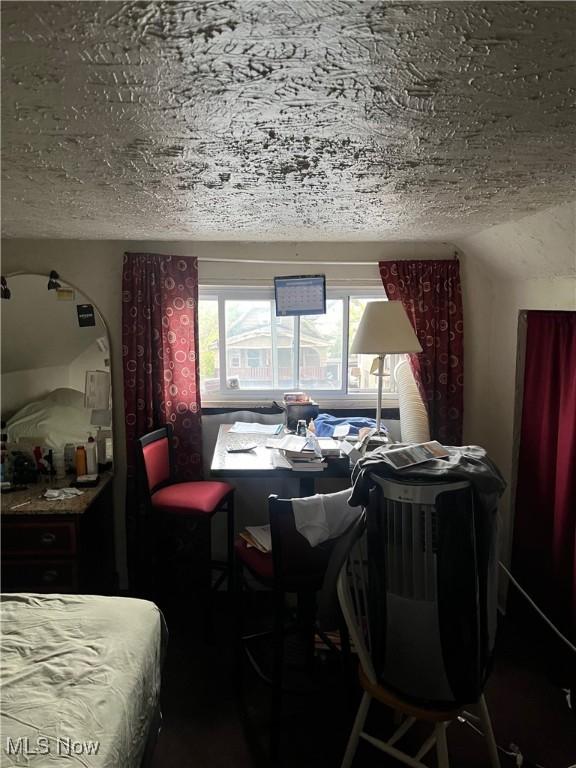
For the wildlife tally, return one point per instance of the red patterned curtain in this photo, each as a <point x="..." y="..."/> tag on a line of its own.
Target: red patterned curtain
<point x="161" y="374"/>
<point x="431" y="294"/>
<point x="544" y="549"/>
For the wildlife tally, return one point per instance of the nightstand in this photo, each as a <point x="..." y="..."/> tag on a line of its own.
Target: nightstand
<point x="59" y="546"/>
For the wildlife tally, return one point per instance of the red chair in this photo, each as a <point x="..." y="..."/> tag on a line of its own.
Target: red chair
<point x="197" y="501"/>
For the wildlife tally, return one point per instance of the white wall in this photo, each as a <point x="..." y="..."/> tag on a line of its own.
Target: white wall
<point x="520" y="265"/>
<point x="527" y="264"/>
<point x="92" y="359"/>
<point x="20" y="387"/>
<point x="95" y="268"/>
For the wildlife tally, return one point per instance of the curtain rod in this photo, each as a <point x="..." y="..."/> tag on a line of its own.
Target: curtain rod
<point x="308" y="262"/>
<point x="285" y="261"/>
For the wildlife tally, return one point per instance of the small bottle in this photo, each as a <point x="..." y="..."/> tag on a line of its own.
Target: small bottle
<point x="38" y="458"/>
<point x="59" y="465"/>
<point x="80" y="460"/>
<point x="100" y="449"/>
<point x="91" y="457"/>
<point x="301" y="428"/>
<point x="69" y="458"/>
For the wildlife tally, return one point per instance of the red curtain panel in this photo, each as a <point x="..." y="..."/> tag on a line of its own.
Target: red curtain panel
<point x="431" y="294"/>
<point x="159" y="353"/>
<point x="161" y="379"/>
<point x="544" y="546"/>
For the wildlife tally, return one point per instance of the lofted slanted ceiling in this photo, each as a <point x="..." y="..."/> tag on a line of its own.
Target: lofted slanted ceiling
<point x="301" y="120"/>
<point x="38" y="330"/>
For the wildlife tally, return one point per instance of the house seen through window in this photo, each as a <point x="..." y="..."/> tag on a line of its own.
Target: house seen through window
<point x="246" y="350"/>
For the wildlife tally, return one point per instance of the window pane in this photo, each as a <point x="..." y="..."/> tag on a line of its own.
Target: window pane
<point x="248" y="345"/>
<point x="359" y="377"/>
<point x="208" y="336"/>
<point x="261" y="349"/>
<point x="284" y="352"/>
<point x="254" y="360"/>
<point x="321" y="348"/>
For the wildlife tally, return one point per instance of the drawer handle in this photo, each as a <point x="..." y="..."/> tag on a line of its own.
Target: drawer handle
<point x="48" y="538"/>
<point x="49" y="576"/>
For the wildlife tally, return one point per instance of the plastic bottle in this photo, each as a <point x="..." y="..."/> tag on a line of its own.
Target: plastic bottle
<point x="100" y="448"/>
<point x="58" y="463"/>
<point x="91" y="457"/>
<point x="80" y="460"/>
<point x="38" y="457"/>
<point x="69" y="458"/>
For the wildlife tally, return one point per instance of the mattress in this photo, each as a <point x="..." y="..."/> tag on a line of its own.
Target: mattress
<point x="80" y="678"/>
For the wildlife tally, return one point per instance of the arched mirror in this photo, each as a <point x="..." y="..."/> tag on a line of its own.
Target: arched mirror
<point x="56" y="383"/>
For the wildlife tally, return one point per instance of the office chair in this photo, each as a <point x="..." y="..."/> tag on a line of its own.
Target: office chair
<point x="415" y="596"/>
<point x="293" y="566"/>
<point x="195" y="501"/>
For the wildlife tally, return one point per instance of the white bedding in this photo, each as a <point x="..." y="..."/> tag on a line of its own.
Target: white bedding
<point x="77" y="669"/>
<point x="57" y="419"/>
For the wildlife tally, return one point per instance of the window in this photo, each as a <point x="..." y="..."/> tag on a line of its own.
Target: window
<point x="246" y="351"/>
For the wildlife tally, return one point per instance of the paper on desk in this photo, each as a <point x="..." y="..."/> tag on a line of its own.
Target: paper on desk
<point x="250" y="427"/>
<point x="294" y="443"/>
<point x="341" y="430"/>
<point x="59" y="494"/>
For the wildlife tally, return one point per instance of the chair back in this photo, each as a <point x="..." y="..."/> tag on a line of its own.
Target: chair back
<point x="297" y="564"/>
<point x="157" y="458"/>
<point x="329" y="612"/>
<point x="352" y="589"/>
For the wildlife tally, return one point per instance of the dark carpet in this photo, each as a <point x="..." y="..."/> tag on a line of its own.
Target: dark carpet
<point x="207" y="725"/>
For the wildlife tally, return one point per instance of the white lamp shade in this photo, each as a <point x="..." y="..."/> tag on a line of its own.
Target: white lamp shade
<point x="385" y="329"/>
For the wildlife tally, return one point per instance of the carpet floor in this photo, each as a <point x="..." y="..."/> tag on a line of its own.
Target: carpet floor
<point x="207" y="725"/>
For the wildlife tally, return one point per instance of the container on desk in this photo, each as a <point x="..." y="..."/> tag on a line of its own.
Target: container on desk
<point x="296" y="412"/>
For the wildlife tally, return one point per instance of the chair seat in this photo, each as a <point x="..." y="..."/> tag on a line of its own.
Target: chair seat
<point x="202" y="497"/>
<point x="392" y="700"/>
<point x="258" y="563"/>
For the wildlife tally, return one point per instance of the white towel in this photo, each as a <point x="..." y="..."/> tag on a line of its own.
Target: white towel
<point x="324" y="515"/>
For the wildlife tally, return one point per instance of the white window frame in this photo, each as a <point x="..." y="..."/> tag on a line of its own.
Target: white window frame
<point x="327" y="397"/>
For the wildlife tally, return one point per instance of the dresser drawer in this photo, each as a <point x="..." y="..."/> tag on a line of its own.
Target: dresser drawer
<point x="40" y="576"/>
<point x="40" y="538"/>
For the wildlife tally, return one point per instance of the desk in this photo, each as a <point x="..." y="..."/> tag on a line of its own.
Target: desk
<point x="58" y="546"/>
<point x="259" y="462"/>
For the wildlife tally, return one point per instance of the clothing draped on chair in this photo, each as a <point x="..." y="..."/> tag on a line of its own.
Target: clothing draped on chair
<point x="544" y="549"/>
<point x="431" y="294"/>
<point x="161" y="378"/>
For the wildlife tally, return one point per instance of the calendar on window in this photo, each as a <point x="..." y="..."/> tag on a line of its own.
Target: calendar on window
<point x="300" y="295"/>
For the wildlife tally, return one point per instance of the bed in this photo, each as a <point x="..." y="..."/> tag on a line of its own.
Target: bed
<point x="56" y="419"/>
<point x="80" y="679"/>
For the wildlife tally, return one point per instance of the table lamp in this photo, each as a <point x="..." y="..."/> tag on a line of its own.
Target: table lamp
<point x="384" y="330"/>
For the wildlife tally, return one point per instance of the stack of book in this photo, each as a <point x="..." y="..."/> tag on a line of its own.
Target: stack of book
<point x="329" y="446"/>
<point x="298" y="453"/>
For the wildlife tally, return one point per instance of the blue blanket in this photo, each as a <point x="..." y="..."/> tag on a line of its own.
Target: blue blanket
<point x="325" y="424"/>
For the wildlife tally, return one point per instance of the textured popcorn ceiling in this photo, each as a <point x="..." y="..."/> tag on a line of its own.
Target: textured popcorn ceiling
<point x="309" y="119"/>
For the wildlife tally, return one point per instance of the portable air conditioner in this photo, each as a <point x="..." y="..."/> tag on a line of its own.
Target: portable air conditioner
<point x="433" y="582"/>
